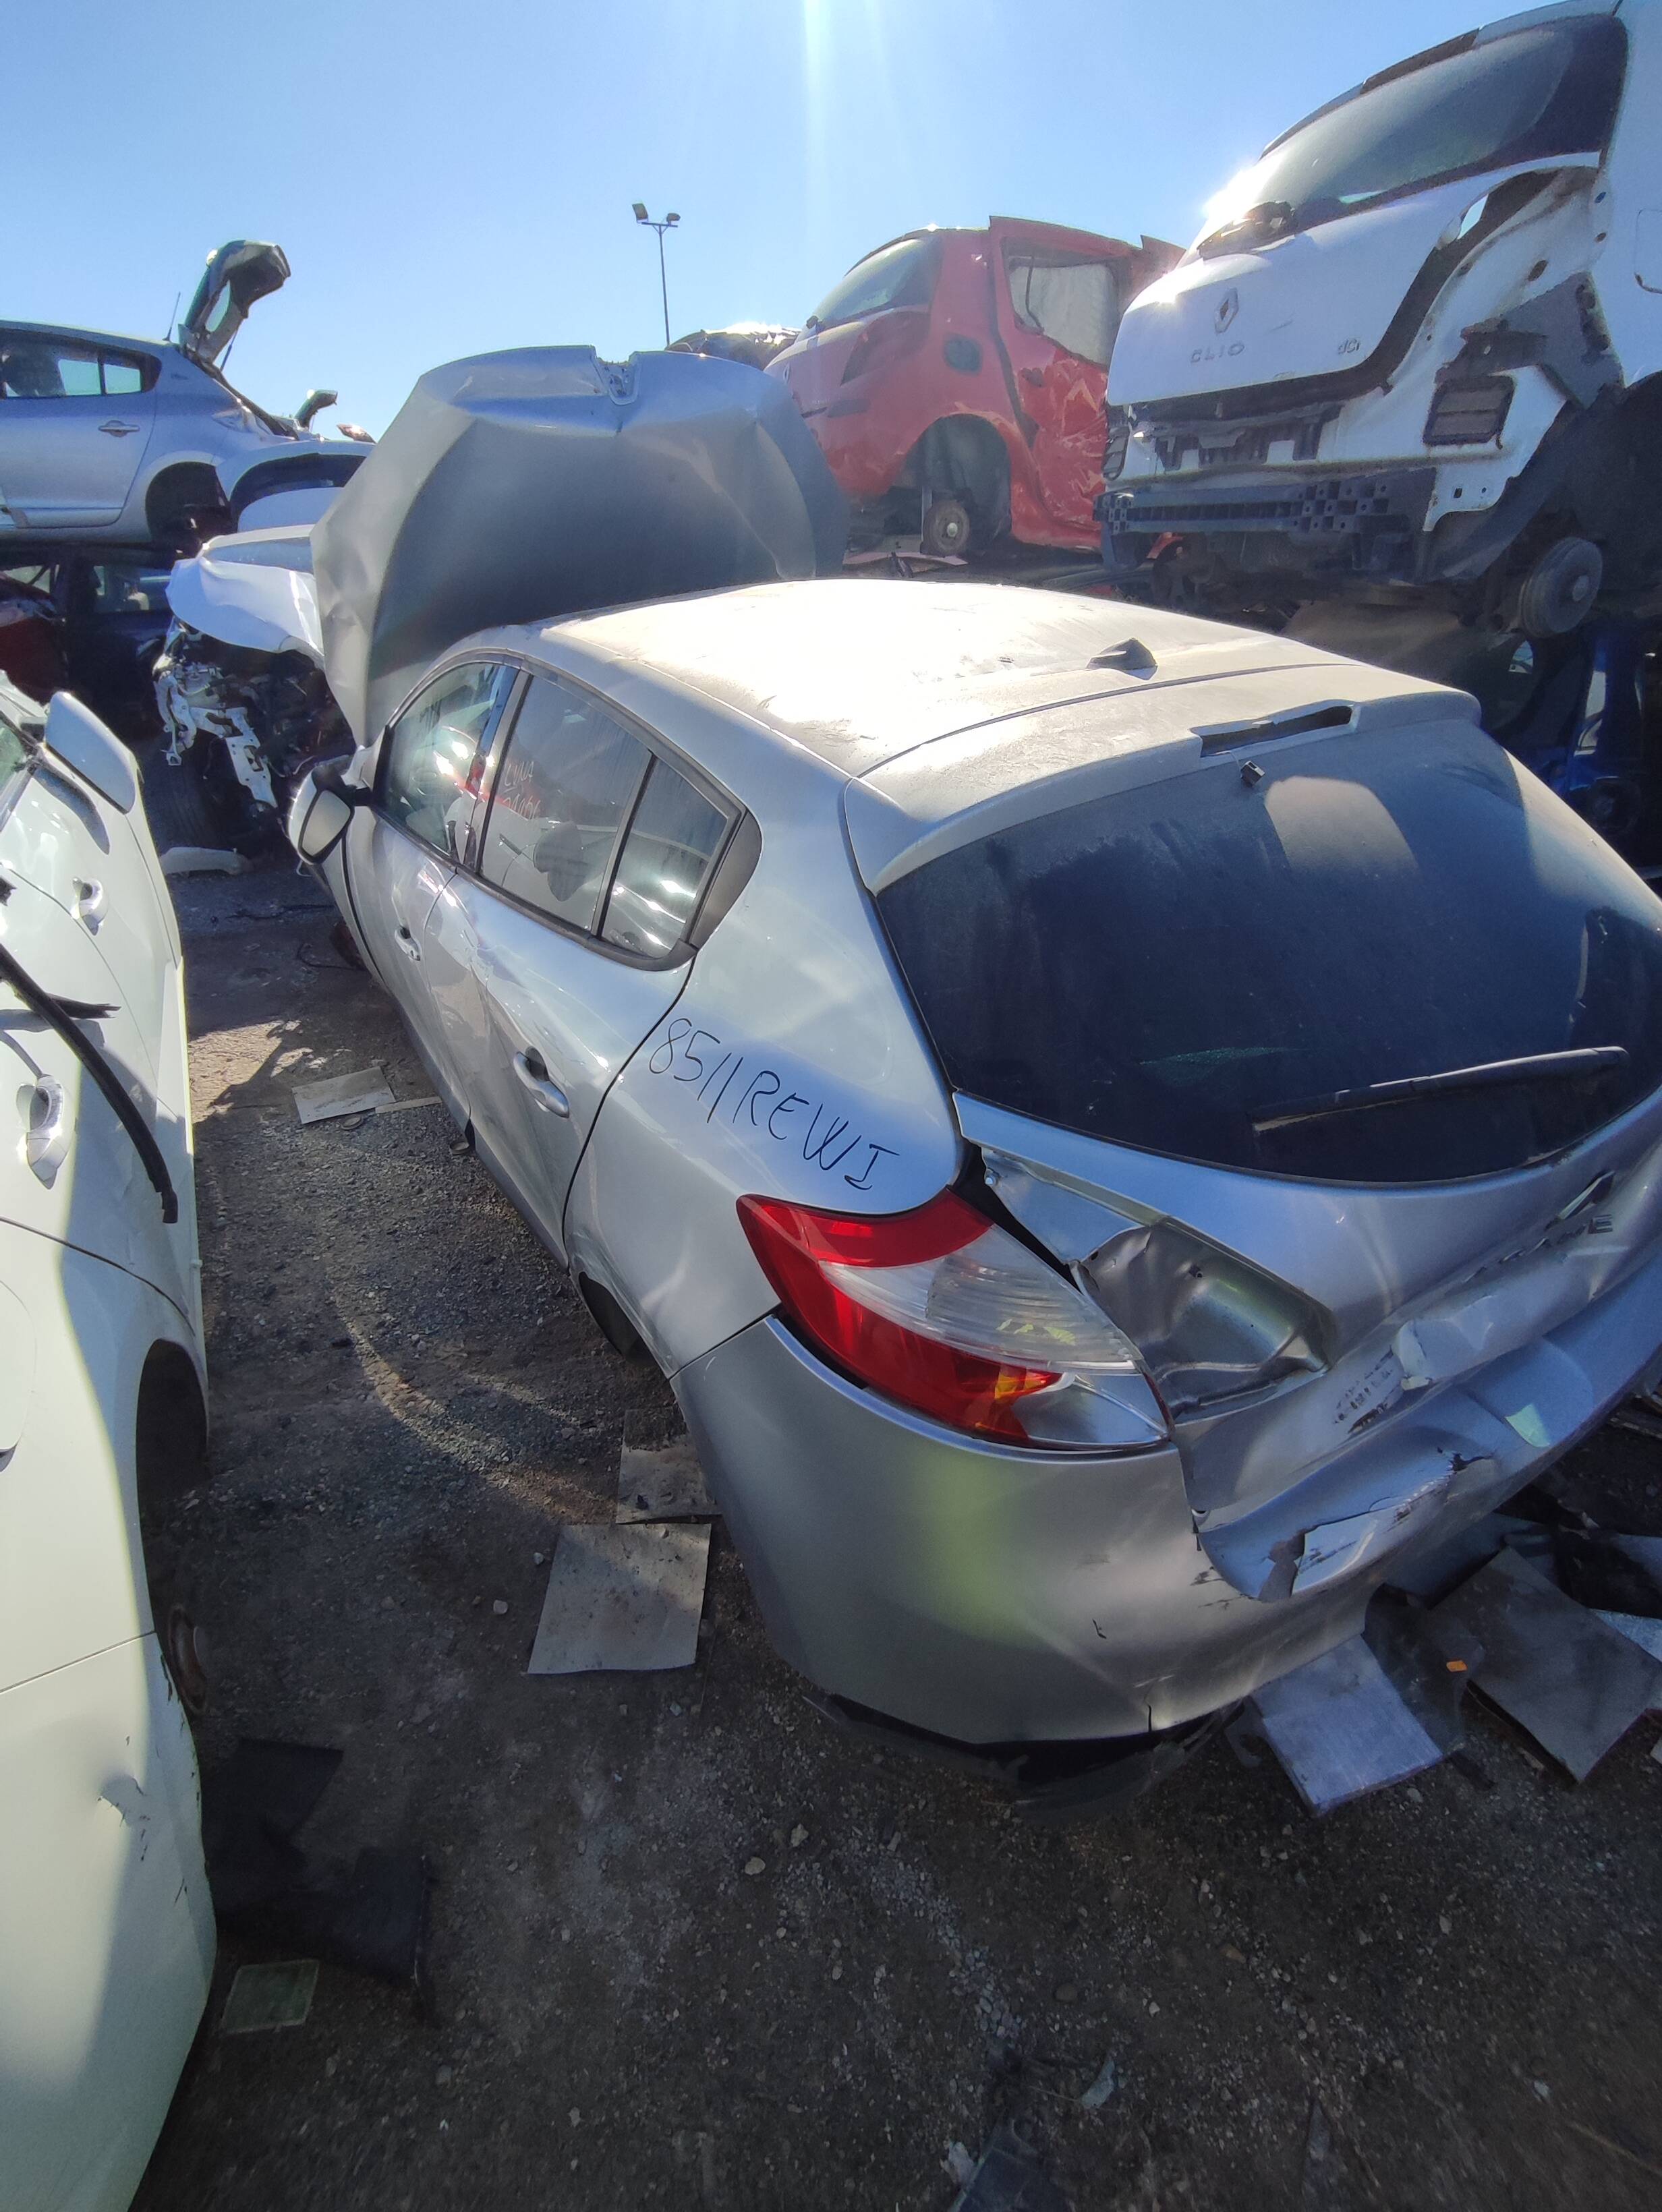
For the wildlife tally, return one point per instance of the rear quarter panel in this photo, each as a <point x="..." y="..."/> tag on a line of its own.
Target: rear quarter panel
<point x="791" y="1066"/>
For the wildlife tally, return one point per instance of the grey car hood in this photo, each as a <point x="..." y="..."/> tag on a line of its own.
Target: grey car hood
<point x="238" y="273"/>
<point x="515" y="487"/>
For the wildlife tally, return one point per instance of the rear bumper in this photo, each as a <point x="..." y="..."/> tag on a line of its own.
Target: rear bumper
<point x="993" y="1597"/>
<point x="1361" y="522"/>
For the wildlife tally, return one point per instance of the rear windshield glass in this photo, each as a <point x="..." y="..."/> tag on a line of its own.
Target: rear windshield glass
<point x="1198" y="967"/>
<point x="1527" y="97"/>
<point x="901" y="276"/>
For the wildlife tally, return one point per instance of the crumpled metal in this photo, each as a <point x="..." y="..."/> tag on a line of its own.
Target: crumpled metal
<point x="518" y="487"/>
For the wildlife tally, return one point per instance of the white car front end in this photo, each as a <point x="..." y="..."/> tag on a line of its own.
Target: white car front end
<point x="1385" y="363"/>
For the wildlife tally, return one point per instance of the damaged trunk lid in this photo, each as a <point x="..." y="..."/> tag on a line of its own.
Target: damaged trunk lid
<point x="1329" y="1069"/>
<point x="238" y="273"/>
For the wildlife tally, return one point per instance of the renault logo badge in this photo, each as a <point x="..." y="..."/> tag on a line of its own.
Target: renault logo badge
<point x="1228" y="308"/>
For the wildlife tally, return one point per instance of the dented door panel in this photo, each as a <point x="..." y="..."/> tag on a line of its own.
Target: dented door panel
<point x="107" y="1933"/>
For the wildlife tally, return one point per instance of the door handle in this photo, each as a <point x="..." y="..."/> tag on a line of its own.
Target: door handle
<point x="119" y="429"/>
<point x="533" y="1072"/>
<point x="48" y="1128"/>
<point x="91" y="904"/>
<point x="407" y="944"/>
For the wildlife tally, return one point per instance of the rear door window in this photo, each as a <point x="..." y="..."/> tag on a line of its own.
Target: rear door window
<point x="1075" y="304"/>
<point x="1199" y="968"/>
<point x="672" y="840"/>
<point x="33" y="368"/>
<point x="565" y="788"/>
<point x="428" y="782"/>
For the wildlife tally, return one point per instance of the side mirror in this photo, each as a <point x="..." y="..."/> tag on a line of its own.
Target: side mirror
<point x="321" y="815"/>
<point x="330" y="775"/>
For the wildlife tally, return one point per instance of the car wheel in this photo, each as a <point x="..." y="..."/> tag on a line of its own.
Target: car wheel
<point x="182" y="1649"/>
<point x="947" y="531"/>
<point x="1558" y="592"/>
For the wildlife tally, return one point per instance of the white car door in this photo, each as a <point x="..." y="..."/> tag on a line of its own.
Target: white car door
<point x="567" y="944"/>
<point x="76" y="418"/>
<point x="402" y="851"/>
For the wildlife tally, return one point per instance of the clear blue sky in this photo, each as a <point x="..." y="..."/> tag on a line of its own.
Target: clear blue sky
<point x="447" y="179"/>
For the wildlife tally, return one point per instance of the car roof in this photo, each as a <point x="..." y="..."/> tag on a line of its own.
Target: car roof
<point x="86" y="337"/>
<point x="858" y="671"/>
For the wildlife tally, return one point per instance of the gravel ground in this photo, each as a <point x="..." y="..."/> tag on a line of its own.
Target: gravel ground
<point x="409" y="1402"/>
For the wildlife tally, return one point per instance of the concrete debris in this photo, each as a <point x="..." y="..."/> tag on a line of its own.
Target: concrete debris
<point x="338" y="1095"/>
<point x="1326" y="2184"/>
<point x="1102" y="2088"/>
<point x="1340" y="1729"/>
<point x="663" y="1485"/>
<point x="624" y="1600"/>
<point x="1008" y="2177"/>
<point x="1637" y="1627"/>
<point x="957" y="2166"/>
<point x="1574" y="1683"/>
<point x="269" y="1996"/>
<point x="1608" y="1572"/>
<point x="203" y="860"/>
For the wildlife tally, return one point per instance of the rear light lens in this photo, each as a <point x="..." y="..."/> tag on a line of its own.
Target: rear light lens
<point x="948" y="1314"/>
<point x="886" y="339"/>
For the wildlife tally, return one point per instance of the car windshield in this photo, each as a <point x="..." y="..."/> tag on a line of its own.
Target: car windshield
<point x="901" y="276"/>
<point x="1532" y="95"/>
<point x="1173" y="967"/>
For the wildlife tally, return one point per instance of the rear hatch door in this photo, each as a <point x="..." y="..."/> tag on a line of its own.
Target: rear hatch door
<point x="1177" y="1016"/>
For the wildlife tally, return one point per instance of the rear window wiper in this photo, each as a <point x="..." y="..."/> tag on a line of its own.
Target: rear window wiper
<point x="64" y="1015"/>
<point x="1492" y="1075"/>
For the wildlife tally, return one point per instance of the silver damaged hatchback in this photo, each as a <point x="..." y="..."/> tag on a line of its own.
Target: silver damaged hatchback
<point x="1116" y="1141"/>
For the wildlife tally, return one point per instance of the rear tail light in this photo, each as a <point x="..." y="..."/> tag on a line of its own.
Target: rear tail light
<point x="886" y="339"/>
<point x="951" y="1316"/>
<point x="1210" y="1329"/>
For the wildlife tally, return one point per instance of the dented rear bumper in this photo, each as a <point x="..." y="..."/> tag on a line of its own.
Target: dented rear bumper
<point x="991" y="1597"/>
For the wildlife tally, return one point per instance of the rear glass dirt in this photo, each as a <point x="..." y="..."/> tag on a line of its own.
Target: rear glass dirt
<point x="899" y="276"/>
<point x="1534" y="95"/>
<point x="1173" y="967"/>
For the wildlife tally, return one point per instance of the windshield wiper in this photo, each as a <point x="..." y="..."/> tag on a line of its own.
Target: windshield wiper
<point x="1493" y="1074"/>
<point x="1270" y="219"/>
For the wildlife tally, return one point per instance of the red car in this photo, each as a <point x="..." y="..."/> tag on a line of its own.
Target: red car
<point x="955" y="380"/>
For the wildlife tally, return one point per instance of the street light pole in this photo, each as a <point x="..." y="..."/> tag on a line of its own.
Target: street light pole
<point x="669" y="222"/>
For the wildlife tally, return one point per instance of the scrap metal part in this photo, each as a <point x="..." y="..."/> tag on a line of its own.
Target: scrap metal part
<point x="529" y="484"/>
<point x="242" y="669"/>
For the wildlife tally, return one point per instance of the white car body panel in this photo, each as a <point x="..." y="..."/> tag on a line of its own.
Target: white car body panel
<point x="1297" y="310"/>
<point x="107" y="1938"/>
<point x="253" y="589"/>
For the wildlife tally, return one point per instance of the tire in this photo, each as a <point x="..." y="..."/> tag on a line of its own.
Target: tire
<point x="1557" y="594"/>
